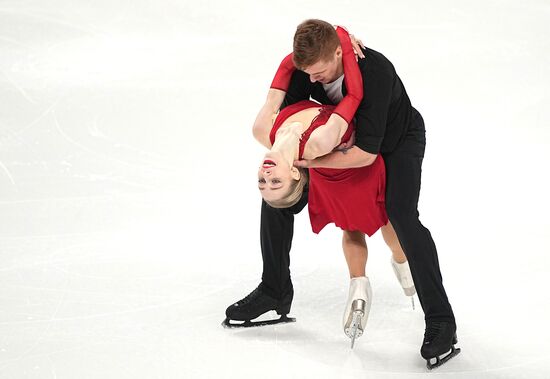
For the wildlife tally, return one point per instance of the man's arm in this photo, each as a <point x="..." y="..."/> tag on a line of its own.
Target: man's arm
<point x="370" y="124"/>
<point x="372" y="115"/>
<point x="353" y="157"/>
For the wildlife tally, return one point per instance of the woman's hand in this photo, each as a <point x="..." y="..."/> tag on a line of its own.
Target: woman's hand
<point x="357" y="45"/>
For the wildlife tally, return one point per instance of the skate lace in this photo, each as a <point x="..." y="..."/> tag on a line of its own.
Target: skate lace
<point x="251" y="296"/>
<point x="432" y="330"/>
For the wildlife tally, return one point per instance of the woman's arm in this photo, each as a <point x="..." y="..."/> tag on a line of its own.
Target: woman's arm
<point x="352" y="77"/>
<point x="326" y="137"/>
<point x="264" y="120"/>
<point x="275" y="97"/>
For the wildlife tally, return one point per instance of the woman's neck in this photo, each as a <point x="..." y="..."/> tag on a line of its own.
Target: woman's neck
<point x="287" y="141"/>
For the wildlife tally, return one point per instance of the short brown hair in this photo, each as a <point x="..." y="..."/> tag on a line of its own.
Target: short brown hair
<point x="314" y="41"/>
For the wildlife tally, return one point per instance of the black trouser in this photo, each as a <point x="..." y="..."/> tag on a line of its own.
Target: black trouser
<point x="403" y="171"/>
<point x="276" y="231"/>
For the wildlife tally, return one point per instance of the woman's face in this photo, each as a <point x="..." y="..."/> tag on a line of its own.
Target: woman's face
<point x="275" y="177"/>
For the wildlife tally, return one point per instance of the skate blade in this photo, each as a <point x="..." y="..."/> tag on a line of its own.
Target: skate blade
<point x="228" y="324"/>
<point x="440" y="361"/>
<point x="354" y="331"/>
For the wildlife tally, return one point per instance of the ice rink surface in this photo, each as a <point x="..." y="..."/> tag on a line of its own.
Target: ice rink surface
<point x="129" y="217"/>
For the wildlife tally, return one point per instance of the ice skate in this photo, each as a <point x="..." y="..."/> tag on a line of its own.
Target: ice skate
<point x="253" y="306"/>
<point x="357" y="308"/>
<point x="403" y="274"/>
<point x="439" y="343"/>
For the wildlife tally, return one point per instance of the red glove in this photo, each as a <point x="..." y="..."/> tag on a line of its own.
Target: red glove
<point x="284" y="73"/>
<point x="352" y="77"/>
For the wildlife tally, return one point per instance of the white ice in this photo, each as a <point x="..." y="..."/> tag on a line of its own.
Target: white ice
<point x="129" y="217"/>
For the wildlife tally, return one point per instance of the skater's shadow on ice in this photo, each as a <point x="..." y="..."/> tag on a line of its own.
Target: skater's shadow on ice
<point x="288" y="333"/>
<point x="366" y="357"/>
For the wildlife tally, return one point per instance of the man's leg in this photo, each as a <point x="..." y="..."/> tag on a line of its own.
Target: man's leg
<point x="403" y="169"/>
<point x="276" y="232"/>
<point x="275" y="292"/>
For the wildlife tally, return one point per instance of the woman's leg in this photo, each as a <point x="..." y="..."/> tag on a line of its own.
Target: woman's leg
<point x="355" y="251"/>
<point x="399" y="261"/>
<point x="393" y="243"/>
<point x="359" y="300"/>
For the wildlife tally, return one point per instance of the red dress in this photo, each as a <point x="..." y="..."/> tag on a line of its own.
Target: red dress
<point x="352" y="199"/>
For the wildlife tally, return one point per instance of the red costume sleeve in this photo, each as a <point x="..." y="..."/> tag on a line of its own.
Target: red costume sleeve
<point x="284" y="73"/>
<point x="352" y="77"/>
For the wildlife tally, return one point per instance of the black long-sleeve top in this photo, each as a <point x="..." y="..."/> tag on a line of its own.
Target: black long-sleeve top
<point x="385" y="112"/>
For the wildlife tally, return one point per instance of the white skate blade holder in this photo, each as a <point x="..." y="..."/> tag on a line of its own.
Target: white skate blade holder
<point x="403" y="275"/>
<point x="355" y="330"/>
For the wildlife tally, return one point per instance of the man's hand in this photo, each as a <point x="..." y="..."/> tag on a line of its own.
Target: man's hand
<point x="346" y="145"/>
<point x="357" y="45"/>
<point x="305" y="163"/>
<point x="353" y="157"/>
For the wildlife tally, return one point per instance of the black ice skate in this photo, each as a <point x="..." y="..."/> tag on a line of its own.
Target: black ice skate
<point x="254" y="305"/>
<point x="438" y="345"/>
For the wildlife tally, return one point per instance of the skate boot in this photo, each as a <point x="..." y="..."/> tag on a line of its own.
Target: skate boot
<point x="438" y="345"/>
<point x="256" y="304"/>
<point x="357" y="308"/>
<point x="403" y="274"/>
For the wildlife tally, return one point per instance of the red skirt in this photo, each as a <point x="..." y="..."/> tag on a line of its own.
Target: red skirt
<point x="353" y="199"/>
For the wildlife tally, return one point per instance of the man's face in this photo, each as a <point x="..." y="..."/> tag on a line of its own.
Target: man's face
<point x="326" y="71"/>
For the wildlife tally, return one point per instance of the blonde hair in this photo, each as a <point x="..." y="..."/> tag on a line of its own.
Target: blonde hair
<point x="294" y="193"/>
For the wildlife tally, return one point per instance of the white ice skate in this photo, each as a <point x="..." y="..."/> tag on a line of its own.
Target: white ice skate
<point x="357" y="308"/>
<point x="403" y="273"/>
